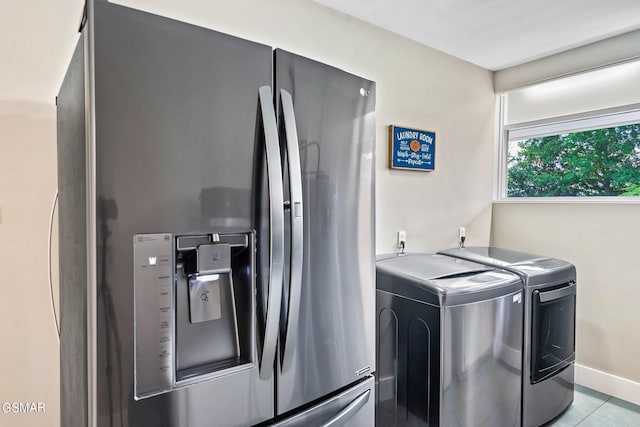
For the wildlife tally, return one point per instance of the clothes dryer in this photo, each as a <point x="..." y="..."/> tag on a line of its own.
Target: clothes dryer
<point x="549" y="327"/>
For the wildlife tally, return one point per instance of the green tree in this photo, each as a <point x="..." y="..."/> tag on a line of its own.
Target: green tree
<point x="632" y="190"/>
<point x="600" y="162"/>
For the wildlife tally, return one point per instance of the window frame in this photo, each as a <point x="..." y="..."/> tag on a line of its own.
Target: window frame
<point x="610" y="117"/>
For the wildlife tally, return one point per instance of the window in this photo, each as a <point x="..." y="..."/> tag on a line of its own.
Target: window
<point x="574" y="137"/>
<point x="597" y="155"/>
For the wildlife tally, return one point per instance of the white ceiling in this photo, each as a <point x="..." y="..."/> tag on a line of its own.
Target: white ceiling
<point x="497" y="34"/>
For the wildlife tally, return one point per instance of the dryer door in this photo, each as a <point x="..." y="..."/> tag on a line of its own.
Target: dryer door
<point x="553" y="331"/>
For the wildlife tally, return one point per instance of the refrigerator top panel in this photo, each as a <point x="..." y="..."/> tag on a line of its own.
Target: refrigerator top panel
<point x="442" y="280"/>
<point x="534" y="269"/>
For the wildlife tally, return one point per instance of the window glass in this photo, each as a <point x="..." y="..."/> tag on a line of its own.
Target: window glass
<point x="603" y="161"/>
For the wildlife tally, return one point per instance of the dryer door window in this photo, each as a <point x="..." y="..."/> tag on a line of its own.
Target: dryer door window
<point x="553" y="331"/>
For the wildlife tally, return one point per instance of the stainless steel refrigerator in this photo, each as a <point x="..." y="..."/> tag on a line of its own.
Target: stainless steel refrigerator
<point x="216" y="231"/>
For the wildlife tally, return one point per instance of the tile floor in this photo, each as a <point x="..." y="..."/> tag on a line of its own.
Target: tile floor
<point x="591" y="408"/>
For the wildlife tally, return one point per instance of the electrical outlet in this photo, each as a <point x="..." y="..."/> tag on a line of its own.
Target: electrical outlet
<point x="461" y="234"/>
<point x="402" y="238"/>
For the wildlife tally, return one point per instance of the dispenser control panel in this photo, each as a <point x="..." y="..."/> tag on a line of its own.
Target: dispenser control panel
<point x="153" y="284"/>
<point x="188" y="328"/>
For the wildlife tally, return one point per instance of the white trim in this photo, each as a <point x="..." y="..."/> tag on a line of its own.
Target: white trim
<point x="572" y="117"/>
<point x="610" y="384"/>
<point x="557" y="127"/>
<point x="612" y="200"/>
<point x="499" y="155"/>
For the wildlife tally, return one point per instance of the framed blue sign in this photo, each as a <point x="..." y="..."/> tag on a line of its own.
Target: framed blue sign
<point x="412" y="149"/>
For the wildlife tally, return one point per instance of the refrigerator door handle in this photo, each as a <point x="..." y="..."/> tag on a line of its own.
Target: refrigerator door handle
<point x="276" y="226"/>
<point x="349" y="411"/>
<point x="295" y="187"/>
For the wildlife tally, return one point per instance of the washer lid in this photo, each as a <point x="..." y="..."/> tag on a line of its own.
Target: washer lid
<point x="534" y="269"/>
<point x="489" y="255"/>
<point x="442" y="280"/>
<point x="426" y="266"/>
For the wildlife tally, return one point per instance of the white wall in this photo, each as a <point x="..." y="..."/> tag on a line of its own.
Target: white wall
<point x="604" y="53"/>
<point x="29" y="358"/>
<point x="36" y="41"/>
<point x="416" y="86"/>
<point x="603" y="241"/>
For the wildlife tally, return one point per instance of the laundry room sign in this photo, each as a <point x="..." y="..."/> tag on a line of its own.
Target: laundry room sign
<point x="411" y="149"/>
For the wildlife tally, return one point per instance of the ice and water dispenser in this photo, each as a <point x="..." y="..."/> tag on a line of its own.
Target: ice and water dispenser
<point x="194" y="308"/>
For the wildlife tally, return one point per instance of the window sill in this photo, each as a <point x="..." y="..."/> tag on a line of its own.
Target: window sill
<point x="613" y="200"/>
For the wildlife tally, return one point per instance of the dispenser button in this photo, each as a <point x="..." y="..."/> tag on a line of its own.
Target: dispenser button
<point x="215" y="258"/>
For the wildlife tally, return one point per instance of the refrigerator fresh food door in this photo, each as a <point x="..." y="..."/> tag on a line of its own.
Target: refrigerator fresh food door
<point x="178" y="126"/>
<point x="327" y="325"/>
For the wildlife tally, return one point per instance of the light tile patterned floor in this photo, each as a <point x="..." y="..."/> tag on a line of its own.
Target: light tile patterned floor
<point x="591" y="408"/>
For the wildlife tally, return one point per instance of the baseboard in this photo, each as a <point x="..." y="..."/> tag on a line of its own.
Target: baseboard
<point x="610" y="384"/>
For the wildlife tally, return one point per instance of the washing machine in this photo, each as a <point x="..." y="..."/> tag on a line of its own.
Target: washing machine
<point x="449" y="343"/>
<point x="549" y="332"/>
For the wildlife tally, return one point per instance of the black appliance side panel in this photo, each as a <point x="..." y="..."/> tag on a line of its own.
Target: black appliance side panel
<point x="72" y="242"/>
<point x="408" y="362"/>
<point x="176" y="131"/>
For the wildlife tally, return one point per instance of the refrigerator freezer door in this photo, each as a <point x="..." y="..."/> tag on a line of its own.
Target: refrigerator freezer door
<point x="354" y="407"/>
<point x="334" y="113"/>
